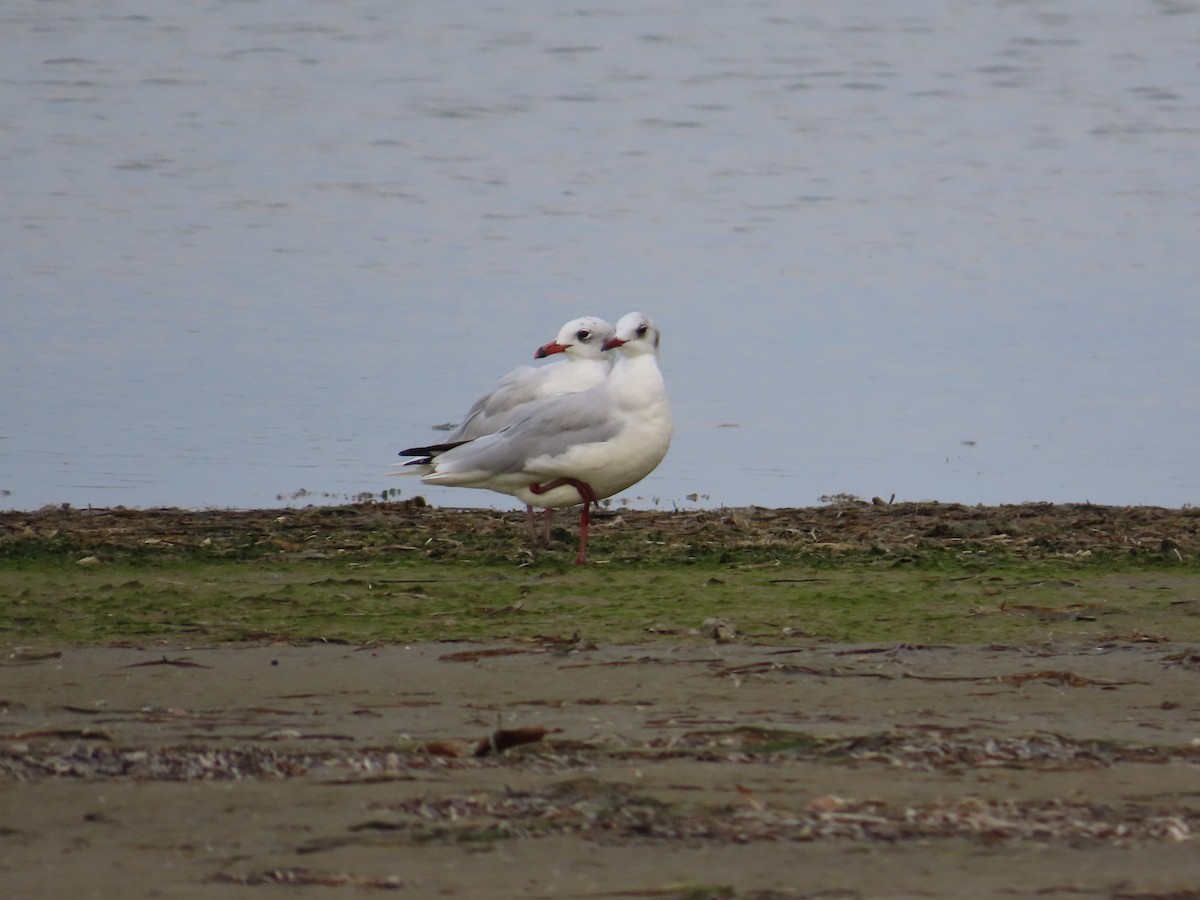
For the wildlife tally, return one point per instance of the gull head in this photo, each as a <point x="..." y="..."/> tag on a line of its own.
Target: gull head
<point x="635" y="333"/>
<point x="584" y="338"/>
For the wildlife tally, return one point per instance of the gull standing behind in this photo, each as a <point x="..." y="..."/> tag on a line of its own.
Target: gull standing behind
<point x="583" y="364"/>
<point x="572" y="448"/>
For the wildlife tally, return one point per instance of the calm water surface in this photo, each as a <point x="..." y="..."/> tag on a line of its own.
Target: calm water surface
<point x="937" y="250"/>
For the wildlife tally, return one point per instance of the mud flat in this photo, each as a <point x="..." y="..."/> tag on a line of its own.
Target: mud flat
<point x="476" y="770"/>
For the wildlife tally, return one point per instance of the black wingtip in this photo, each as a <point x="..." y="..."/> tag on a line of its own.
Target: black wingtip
<point x="429" y="452"/>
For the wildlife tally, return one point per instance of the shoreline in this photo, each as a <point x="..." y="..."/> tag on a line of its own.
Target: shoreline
<point x="1026" y="531"/>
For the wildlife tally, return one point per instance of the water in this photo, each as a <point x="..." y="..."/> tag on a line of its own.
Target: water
<point x="943" y="251"/>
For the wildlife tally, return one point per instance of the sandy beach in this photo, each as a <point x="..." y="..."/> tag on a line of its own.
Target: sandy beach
<point x="640" y="771"/>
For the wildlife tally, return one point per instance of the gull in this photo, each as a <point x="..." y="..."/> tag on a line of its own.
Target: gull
<point x="583" y="363"/>
<point x="574" y="448"/>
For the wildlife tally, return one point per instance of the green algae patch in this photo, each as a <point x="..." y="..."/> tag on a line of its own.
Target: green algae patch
<point x="382" y="600"/>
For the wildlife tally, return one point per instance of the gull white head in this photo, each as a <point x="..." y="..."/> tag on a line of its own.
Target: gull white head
<point x="583" y="338"/>
<point x="635" y="334"/>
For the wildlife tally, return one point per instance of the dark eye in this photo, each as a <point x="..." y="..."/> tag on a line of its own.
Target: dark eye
<point x="583" y="335"/>
<point x="642" y="329"/>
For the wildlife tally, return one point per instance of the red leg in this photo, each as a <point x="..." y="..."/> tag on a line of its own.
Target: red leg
<point x="581" y="559"/>
<point x="532" y="524"/>
<point x="547" y="517"/>
<point x="585" y="489"/>
<point x="547" y="520"/>
<point x="588" y="496"/>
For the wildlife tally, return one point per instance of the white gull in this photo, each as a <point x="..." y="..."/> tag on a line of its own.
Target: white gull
<point x="583" y="364"/>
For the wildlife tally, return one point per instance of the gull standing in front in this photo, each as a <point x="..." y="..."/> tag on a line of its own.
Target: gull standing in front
<point x="572" y="448"/>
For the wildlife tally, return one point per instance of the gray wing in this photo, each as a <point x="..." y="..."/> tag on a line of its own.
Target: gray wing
<point x="551" y="428"/>
<point x="494" y="410"/>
